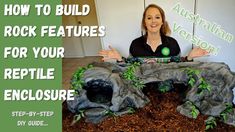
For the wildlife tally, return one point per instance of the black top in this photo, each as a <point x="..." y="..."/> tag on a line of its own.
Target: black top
<point x="140" y="48"/>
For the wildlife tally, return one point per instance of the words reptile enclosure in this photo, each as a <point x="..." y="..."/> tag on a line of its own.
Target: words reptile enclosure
<point x="105" y="89"/>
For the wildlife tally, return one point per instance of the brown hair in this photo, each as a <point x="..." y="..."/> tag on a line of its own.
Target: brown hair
<point x="165" y="29"/>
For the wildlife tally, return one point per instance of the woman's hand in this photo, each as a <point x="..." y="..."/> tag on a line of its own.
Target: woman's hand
<point x="197" y="52"/>
<point x="110" y="54"/>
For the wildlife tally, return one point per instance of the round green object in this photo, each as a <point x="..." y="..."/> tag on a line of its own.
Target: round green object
<point x="165" y="51"/>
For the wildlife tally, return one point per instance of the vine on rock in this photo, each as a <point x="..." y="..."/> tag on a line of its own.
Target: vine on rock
<point x="129" y="75"/>
<point x="193" y="75"/>
<point x="77" y="82"/>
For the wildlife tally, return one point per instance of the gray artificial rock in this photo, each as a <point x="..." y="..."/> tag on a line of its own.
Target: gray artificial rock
<point x="230" y="118"/>
<point x="124" y="94"/>
<point x="185" y="109"/>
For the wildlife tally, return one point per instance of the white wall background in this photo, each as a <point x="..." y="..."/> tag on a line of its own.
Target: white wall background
<point x="122" y="19"/>
<point x="222" y="13"/>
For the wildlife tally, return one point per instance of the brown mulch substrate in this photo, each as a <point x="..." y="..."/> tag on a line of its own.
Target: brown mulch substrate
<point x="159" y="115"/>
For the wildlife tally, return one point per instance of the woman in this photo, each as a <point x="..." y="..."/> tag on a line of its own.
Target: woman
<point x="156" y="42"/>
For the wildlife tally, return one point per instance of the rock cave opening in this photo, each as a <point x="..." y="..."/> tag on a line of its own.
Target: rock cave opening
<point x="161" y="87"/>
<point x="99" y="91"/>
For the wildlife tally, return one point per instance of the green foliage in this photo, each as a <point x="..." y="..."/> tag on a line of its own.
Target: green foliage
<point x="129" y="74"/>
<point x="203" y="86"/>
<point x="163" y="89"/>
<point x="210" y="123"/>
<point x="192" y="80"/>
<point x="138" y="84"/>
<point x="77" y="82"/>
<point x="165" y="86"/>
<point x="191" y="73"/>
<point x="110" y="113"/>
<point x="78" y="117"/>
<point x="131" y="110"/>
<point x="195" y="112"/>
<point x="224" y="114"/>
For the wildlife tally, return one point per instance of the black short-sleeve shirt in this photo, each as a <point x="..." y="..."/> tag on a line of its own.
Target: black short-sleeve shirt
<point x="140" y="48"/>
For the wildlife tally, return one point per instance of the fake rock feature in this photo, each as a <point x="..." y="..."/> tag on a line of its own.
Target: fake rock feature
<point x="106" y="90"/>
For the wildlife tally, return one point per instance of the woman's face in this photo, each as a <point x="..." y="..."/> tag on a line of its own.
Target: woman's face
<point x="153" y="20"/>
